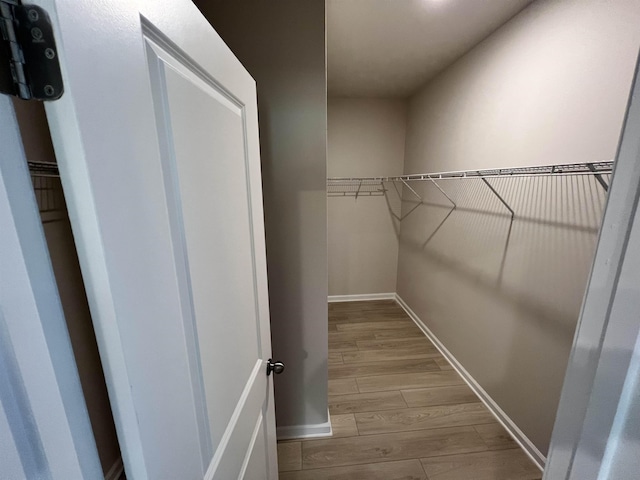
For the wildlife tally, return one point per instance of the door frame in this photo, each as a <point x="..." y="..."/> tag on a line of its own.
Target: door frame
<point x="40" y="390"/>
<point x="584" y="438"/>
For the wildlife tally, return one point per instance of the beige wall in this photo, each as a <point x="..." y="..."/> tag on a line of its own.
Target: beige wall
<point x="365" y="138"/>
<point x="282" y="45"/>
<point x="64" y="259"/>
<point x="550" y="86"/>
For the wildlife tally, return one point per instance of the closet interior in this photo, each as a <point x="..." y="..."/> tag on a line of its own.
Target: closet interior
<point x="474" y="199"/>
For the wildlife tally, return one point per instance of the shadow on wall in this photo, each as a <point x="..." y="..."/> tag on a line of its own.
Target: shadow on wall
<point x="393" y="197"/>
<point x="503" y="294"/>
<point x="555" y="225"/>
<point x="394" y="204"/>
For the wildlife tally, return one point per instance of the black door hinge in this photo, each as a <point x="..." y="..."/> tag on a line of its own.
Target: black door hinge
<point x="29" y="65"/>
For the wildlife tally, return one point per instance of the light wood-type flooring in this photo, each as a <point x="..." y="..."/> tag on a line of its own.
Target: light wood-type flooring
<point x="398" y="410"/>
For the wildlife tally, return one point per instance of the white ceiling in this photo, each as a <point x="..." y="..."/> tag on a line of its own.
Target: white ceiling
<point x="390" y="48"/>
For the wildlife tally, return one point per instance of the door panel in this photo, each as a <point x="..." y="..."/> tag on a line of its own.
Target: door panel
<point x="212" y="180"/>
<point x="254" y="461"/>
<point x="206" y="168"/>
<point x="157" y="139"/>
<point x="227" y="463"/>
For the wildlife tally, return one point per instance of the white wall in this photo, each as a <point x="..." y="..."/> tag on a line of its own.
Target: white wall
<point x="551" y="86"/>
<point x="282" y="45"/>
<point x="365" y="138"/>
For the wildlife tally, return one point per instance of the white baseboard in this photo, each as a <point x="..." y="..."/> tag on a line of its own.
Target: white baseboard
<point x="361" y="297"/>
<point x="316" y="430"/>
<point x="527" y="445"/>
<point x="116" y="470"/>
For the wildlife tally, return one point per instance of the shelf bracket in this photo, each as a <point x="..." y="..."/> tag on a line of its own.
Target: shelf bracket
<point x="412" y="190"/>
<point x="499" y="197"/>
<point x="599" y="178"/>
<point x="443" y="192"/>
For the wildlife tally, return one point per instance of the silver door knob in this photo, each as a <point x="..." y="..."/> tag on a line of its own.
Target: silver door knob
<point x="275" y="367"/>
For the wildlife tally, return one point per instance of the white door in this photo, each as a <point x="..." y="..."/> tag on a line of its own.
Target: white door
<point x="157" y="141"/>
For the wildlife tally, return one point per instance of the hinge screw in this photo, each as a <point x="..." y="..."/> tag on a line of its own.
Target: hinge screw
<point x="49" y="90"/>
<point x="36" y="33"/>
<point x="50" y="53"/>
<point x="33" y="15"/>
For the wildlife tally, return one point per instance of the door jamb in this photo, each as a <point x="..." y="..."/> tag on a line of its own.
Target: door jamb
<point x="605" y="338"/>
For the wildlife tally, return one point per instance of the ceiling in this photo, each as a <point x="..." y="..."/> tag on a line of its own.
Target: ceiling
<point x="390" y="48"/>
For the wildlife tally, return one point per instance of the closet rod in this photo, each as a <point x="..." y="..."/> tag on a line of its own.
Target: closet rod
<point x="589" y="168"/>
<point x="43" y="169"/>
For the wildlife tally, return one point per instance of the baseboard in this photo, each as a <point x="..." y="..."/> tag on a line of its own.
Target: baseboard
<point x="527" y="445"/>
<point x="116" y="470"/>
<point x="316" y="430"/>
<point x="361" y="297"/>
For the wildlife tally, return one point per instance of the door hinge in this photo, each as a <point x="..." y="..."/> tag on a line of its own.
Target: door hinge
<point x="29" y="65"/>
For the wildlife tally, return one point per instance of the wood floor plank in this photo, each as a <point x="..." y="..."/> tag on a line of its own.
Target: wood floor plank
<point x="337" y="346"/>
<point x="343" y="386"/>
<point x="495" y="436"/>
<point x="335" y="358"/>
<point x="493" y="465"/>
<point x="289" y="456"/>
<point x="387" y="303"/>
<point x="399" y="333"/>
<point x="359" y="311"/>
<point x="339" y="336"/>
<point x="374" y="326"/>
<point x="381" y="312"/>
<point x="365" y="402"/>
<point x="443" y="363"/>
<point x="419" y="418"/>
<point x="344" y="425"/>
<point x="392" y="446"/>
<point x="408" y="381"/>
<point x="389" y="411"/>
<point x="402" y="470"/>
<point x="366" y="317"/>
<point x="383" y="368"/>
<point x="409" y="353"/>
<point x="388" y="314"/>
<point x="401" y="344"/>
<point x="450" y="395"/>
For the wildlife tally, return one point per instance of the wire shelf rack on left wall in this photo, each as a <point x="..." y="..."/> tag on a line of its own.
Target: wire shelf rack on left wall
<point x="354" y="187"/>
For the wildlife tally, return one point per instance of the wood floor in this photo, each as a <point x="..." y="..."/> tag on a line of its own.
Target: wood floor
<point x="398" y="410"/>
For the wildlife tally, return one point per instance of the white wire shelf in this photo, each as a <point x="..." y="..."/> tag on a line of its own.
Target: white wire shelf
<point x="354" y="187"/>
<point x="592" y="168"/>
<point x="371" y="186"/>
<point x="43" y="169"/>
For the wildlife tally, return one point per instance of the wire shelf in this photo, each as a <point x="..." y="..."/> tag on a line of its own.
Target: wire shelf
<point x="357" y="186"/>
<point x="593" y="168"/>
<point x="346" y="187"/>
<point x="43" y="169"/>
<point x="48" y="191"/>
